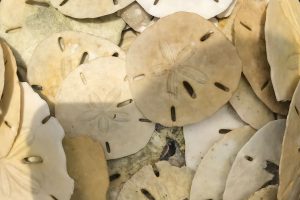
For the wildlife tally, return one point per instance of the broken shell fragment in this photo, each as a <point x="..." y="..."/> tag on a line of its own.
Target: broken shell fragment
<point x="250" y="43"/>
<point x="162" y="182"/>
<point x="201" y="136"/>
<point x="282" y="42"/>
<point x="210" y="178"/>
<point x="256" y="165"/>
<point x="102" y="107"/>
<point x="268" y="193"/>
<point x="86" y="164"/>
<point x="57" y="56"/>
<point x="35" y="167"/>
<point x="176" y="79"/>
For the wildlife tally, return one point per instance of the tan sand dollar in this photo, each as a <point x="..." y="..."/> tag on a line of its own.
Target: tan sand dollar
<point x="25" y="23"/>
<point x="102" y="107"/>
<point x="282" y="41"/>
<point x="268" y="193"/>
<point x="256" y="165"/>
<point x="164" y="181"/>
<point x="35" y="167"/>
<point x="55" y="57"/>
<point x="210" y="178"/>
<point x="10" y="104"/>
<point x="182" y="77"/>
<point x="86" y="164"/>
<point x="250" y="43"/>
<point x="89" y="9"/>
<point x="289" y="164"/>
<point x="249" y="107"/>
<point x="200" y="137"/>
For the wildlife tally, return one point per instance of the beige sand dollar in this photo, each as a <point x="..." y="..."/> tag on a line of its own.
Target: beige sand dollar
<point x="268" y="193"/>
<point x="182" y="77"/>
<point x="102" y="107"/>
<point x="249" y="107"/>
<point x="256" y="165"/>
<point x="2" y="72"/>
<point x="201" y="136"/>
<point x="25" y="25"/>
<point x="210" y="178"/>
<point x="89" y="9"/>
<point x="57" y="56"/>
<point x="35" y="167"/>
<point x="289" y="187"/>
<point x="282" y="39"/>
<point x="204" y="8"/>
<point x="10" y="104"/>
<point x="86" y="164"/>
<point x="136" y="17"/>
<point x="164" y="181"/>
<point x="250" y="43"/>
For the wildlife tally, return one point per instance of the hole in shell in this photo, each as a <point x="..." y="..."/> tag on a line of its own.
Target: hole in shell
<point x="82" y="77"/>
<point x="46" y="119"/>
<point x="116" y="54"/>
<point x="206" y="36"/>
<point x="116" y="2"/>
<point x="37" y="3"/>
<point x="13" y="29"/>
<point x="138" y="77"/>
<point x="299" y="149"/>
<point x="249" y="158"/>
<point x="37" y="87"/>
<point x="124" y="103"/>
<point x="114" y="177"/>
<point x="84" y="58"/>
<point x="63" y="2"/>
<point x="155" y="170"/>
<point x="217" y="2"/>
<point x="147" y="194"/>
<point x="107" y="147"/>
<point x="173" y="113"/>
<point x="53" y="197"/>
<point x="155" y="2"/>
<point x="61" y="43"/>
<point x="7" y="124"/>
<point x="264" y="85"/>
<point x="33" y="160"/>
<point x="224" y="131"/>
<point x="189" y="89"/>
<point x="246" y="26"/>
<point x="297" y="111"/>
<point x="145" y="120"/>
<point x="221" y="87"/>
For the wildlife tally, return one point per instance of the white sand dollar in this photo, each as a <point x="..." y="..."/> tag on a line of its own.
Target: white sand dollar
<point x="35" y="167"/>
<point x="57" y="56"/>
<point x="256" y="165"/>
<point x="164" y="181"/>
<point x="282" y="41"/>
<point x="201" y="136"/>
<point x="10" y="104"/>
<point x="210" y="178"/>
<point x="182" y="77"/>
<point x="102" y="107"/>
<point x="204" y="8"/>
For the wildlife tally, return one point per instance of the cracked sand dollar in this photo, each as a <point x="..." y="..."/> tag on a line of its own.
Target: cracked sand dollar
<point x="86" y="164"/>
<point x="164" y="181"/>
<point x="35" y="167"/>
<point x="25" y="23"/>
<point x="136" y="17"/>
<point x="289" y="187"/>
<point x="102" y="107"/>
<point x="250" y="43"/>
<point x="256" y="165"/>
<point x="210" y="178"/>
<point x="249" y="107"/>
<point x="182" y="77"/>
<point x="282" y="41"/>
<point x="201" y="136"/>
<point x="204" y="8"/>
<point x="57" y="56"/>
<point x="2" y="72"/>
<point x="10" y="103"/>
<point x="89" y="9"/>
<point x="268" y="193"/>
